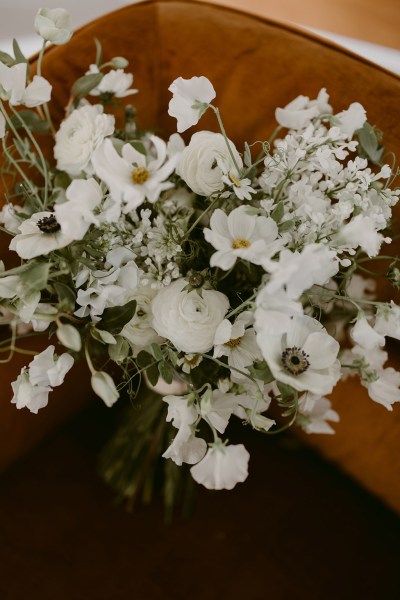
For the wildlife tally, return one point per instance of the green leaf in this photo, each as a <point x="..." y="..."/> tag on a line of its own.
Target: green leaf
<point x="370" y="143"/>
<point x="287" y="392"/>
<point x="113" y="319"/>
<point x="144" y="359"/>
<point x="36" y="276"/>
<point x="166" y="371"/>
<point x="247" y="155"/>
<point x="119" y="351"/>
<point x="99" y="52"/>
<point x="19" y="56"/>
<point x="157" y="352"/>
<point x="6" y="59"/>
<point x="153" y="374"/>
<point x="84" y="85"/>
<point x="278" y="212"/>
<point x="286" y="225"/>
<point x="62" y="180"/>
<point x="31" y="120"/>
<point x="139" y="146"/>
<point x="66" y="296"/>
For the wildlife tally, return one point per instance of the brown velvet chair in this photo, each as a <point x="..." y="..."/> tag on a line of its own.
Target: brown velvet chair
<point x="255" y="65"/>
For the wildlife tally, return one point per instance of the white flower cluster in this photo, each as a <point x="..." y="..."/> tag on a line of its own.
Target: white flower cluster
<point x="228" y="281"/>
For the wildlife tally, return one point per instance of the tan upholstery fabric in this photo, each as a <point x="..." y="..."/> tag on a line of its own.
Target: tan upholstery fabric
<point x="255" y="65"/>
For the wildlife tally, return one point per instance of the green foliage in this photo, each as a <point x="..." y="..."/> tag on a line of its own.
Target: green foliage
<point x="66" y="296"/>
<point x="84" y="85"/>
<point x="19" y="56"/>
<point x="114" y="319"/>
<point x="260" y="370"/>
<point x="36" y="275"/>
<point x="370" y="146"/>
<point x="30" y="120"/>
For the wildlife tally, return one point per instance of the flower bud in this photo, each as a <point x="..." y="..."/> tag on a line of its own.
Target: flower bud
<point x="119" y="62"/>
<point x="53" y="25"/>
<point x="104" y="386"/>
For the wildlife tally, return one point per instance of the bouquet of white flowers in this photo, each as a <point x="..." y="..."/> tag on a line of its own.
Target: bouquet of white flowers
<point x="230" y="280"/>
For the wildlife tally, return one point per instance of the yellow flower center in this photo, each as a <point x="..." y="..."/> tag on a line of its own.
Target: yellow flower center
<point x="193" y="361"/>
<point x="233" y="343"/>
<point x="139" y="175"/>
<point x="240" y="243"/>
<point x="235" y="180"/>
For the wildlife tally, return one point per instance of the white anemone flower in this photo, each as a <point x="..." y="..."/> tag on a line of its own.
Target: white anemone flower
<point x="133" y="177"/>
<point x="304" y="357"/>
<point x="240" y="235"/>
<point x="222" y="467"/>
<point x="14" y="89"/>
<point x="39" y="235"/>
<point x="75" y="216"/>
<point x="114" y="83"/>
<point x="189" y="101"/>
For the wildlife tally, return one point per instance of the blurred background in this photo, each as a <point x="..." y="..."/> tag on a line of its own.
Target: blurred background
<point x="367" y="27"/>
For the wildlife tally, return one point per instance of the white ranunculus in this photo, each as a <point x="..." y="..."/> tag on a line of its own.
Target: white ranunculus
<point x="304" y="357"/>
<point x="53" y="25"/>
<point x="79" y="136"/>
<point x="76" y="214"/>
<point x="199" y="166"/>
<point x="39" y="235"/>
<point x="222" y="467"/>
<point x="187" y="319"/>
<point x="190" y="99"/>
<point x="14" y="89"/>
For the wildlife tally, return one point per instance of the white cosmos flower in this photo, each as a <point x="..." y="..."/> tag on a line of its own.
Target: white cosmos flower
<point x="54" y="25"/>
<point x="75" y="216"/>
<point x="388" y="320"/>
<point x="189" y="101"/>
<point x="351" y="119"/>
<point x="305" y="357"/>
<point x="241" y="187"/>
<point x="298" y="271"/>
<point x="78" y="137"/>
<point x="139" y="330"/>
<point x="222" y="467"/>
<point x="14" y="89"/>
<point x="365" y="335"/>
<point x="240" y="235"/>
<point x="314" y="412"/>
<point x="116" y="83"/>
<point x="200" y="163"/>
<point x="39" y="235"/>
<point x="238" y="342"/>
<point x="274" y="311"/>
<point x="187" y="319"/>
<point x="133" y="177"/>
<point x="185" y="447"/>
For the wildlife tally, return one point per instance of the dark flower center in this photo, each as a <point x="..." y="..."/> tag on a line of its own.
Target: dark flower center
<point x="49" y="224"/>
<point x="295" y="360"/>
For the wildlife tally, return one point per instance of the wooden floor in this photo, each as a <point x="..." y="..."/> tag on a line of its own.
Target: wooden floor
<point x="370" y="20"/>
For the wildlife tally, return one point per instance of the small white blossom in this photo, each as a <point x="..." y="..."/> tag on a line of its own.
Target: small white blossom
<point x="222" y="467"/>
<point x="190" y="99"/>
<point x="351" y="119"/>
<point x="365" y="335"/>
<point x="387" y="320"/>
<point x="185" y="447"/>
<point x="237" y="341"/>
<point x="116" y="83"/>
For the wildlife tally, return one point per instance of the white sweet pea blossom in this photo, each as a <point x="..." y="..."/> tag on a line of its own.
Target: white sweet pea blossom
<point x="54" y="25"/>
<point x="133" y="177"/>
<point x="240" y="235"/>
<point x="139" y="330"/>
<point x="238" y="342"/>
<point x="9" y="217"/>
<point x="314" y="412"/>
<point x="39" y="235"/>
<point x="299" y="112"/>
<point x="361" y="232"/>
<point x="32" y="387"/>
<point x="185" y="447"/>
<point x="305" y="357"/>
<point x="189" y="101"/>
<point x="114" y="83"/>
<point x="14" y="89"/>
<point x="75" y="216"/>
<point x="200" y="163"/>
<point x="351" y="119"/>
<point x="387" y="320"/>
<point x="187" y="319"/>
<point x="222" y="467"/>
<point x="298" y="271"/>
<point x="78" y="137"/>
<point x="386" y="388"/>
<point x="218" y="407"/>
<point x="365" y="335"/>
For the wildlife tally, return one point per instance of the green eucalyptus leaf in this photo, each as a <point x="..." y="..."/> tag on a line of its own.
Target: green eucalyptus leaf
<point x="84" y="85"/>
<point x="31" y="120"/>
<point x="19" y="56"/>
<point x="286" y="225"/>
<point x="113" y="319"/>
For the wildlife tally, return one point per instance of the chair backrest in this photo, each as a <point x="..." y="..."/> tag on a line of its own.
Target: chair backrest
<point x="255" y="65"/>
